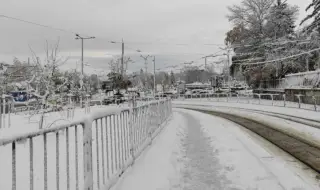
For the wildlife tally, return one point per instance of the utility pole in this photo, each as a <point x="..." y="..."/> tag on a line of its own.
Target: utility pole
<point x="78" y="37"/>
<point x="212" y="56"/>
<point x="229" y="64"/>
<point x="205" y="62"/>
<point x="154" y="77"/>
<point x="229" y="61"/>
<point x="146" y="66"/>
<point x="145" y="61"/>
<point x="122" y="54"/>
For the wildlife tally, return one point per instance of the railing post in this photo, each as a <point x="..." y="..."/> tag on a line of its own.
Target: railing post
<point x="4" y="110"/>
<point x="299" y="98"/>
<point x="87" y="155"/>
<point x="159" y="113"/>
<point x="131" y="138"/>
<point x="284" y="100"/>
<point x="170" y="107"/>
<point x="315" y="103"/>
<point x="9" y="113"/>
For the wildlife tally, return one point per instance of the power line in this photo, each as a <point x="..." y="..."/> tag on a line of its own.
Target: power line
<point x="165" y="54"/>
<point x="244" y="60"/>
<point x="284" y="42"/>
<point x="285" y="58"/>
<point x="180" y="54"/>
<point x="176" y="44"/>
<point x="53" y="28"/>
<point x="40" y="25"/>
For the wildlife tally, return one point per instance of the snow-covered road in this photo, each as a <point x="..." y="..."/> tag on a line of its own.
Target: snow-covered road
<point x="199" y="151"/>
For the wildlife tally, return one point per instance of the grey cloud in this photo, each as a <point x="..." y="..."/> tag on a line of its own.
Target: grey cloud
<point x="163" y="23"/>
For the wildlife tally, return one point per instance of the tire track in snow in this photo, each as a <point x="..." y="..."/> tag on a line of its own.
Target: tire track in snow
<point x="201" y="166"/>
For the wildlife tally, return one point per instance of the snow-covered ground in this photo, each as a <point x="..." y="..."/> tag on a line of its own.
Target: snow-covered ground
<point x="310" y="134"/>
<point x="254" y="101"/>
<point x="199" y="151"/>
<point x="25" y="122"/>
<point x="294" y="111"/>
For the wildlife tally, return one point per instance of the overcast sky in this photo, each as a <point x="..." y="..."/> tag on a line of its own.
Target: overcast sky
<point x="175" y="31"/>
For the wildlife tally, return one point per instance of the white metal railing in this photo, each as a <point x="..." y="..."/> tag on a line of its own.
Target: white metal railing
<point x="90" y="153"/>
<point x="297" y="100"/>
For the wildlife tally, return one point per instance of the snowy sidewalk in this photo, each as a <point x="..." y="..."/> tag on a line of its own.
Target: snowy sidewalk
<point x="199" y="151"/>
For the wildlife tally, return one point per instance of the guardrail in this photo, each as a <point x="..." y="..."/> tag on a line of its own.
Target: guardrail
<point x="261" y="99"/>
<point x="90" y="153"/>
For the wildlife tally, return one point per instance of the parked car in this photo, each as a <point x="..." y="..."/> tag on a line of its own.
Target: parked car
<point x="117" y="98"/>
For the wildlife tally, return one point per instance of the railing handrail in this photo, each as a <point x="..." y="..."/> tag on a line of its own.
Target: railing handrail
<point x="95" y="149"/>
<point x="20" y="137"/>
<point x="313" y="102"/>
<point x="90" y="117"/>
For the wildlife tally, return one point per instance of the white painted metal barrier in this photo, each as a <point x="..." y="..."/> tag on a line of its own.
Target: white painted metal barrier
<point x="263" y="99"/>
<point x="89" y="154"/>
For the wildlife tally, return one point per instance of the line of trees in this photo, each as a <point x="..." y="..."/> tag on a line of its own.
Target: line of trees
<point x="43" y="76"/>
<point x="265" y="30"/>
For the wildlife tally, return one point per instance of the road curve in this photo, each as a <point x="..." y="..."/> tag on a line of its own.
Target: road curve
<point x="201" y="151"/>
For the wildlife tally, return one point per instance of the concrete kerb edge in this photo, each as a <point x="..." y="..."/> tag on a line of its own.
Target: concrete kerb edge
<point x="293" y="133"/>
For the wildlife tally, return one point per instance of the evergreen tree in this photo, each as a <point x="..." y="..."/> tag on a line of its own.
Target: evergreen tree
<point x="281" y="20"/>
<point x="314" y="15"/>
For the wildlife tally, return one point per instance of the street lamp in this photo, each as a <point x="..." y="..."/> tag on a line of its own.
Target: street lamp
<point x="78" y="37"/>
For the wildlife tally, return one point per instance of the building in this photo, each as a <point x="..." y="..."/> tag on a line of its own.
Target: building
<point x="198" y="85"/>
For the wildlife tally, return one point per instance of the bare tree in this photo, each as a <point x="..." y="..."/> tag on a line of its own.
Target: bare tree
<point x="47" y="73"/>
<point x="251" y="14"/>
<point x="163" y="79"/>
<point x="115" y="64"/>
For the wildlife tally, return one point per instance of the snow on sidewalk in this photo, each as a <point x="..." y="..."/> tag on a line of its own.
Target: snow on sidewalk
<point x="158" y="168"/>
<point x="199" y="151"/>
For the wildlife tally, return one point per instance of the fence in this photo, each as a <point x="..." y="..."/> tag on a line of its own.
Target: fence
<point x="273" y="84"/>
<point x="87" y="154"/>
<point x="310" y="79"/>
<point x="299" y="101"/>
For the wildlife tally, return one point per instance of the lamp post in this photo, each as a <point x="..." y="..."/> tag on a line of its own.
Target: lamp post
<point x="78" y="37"/>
